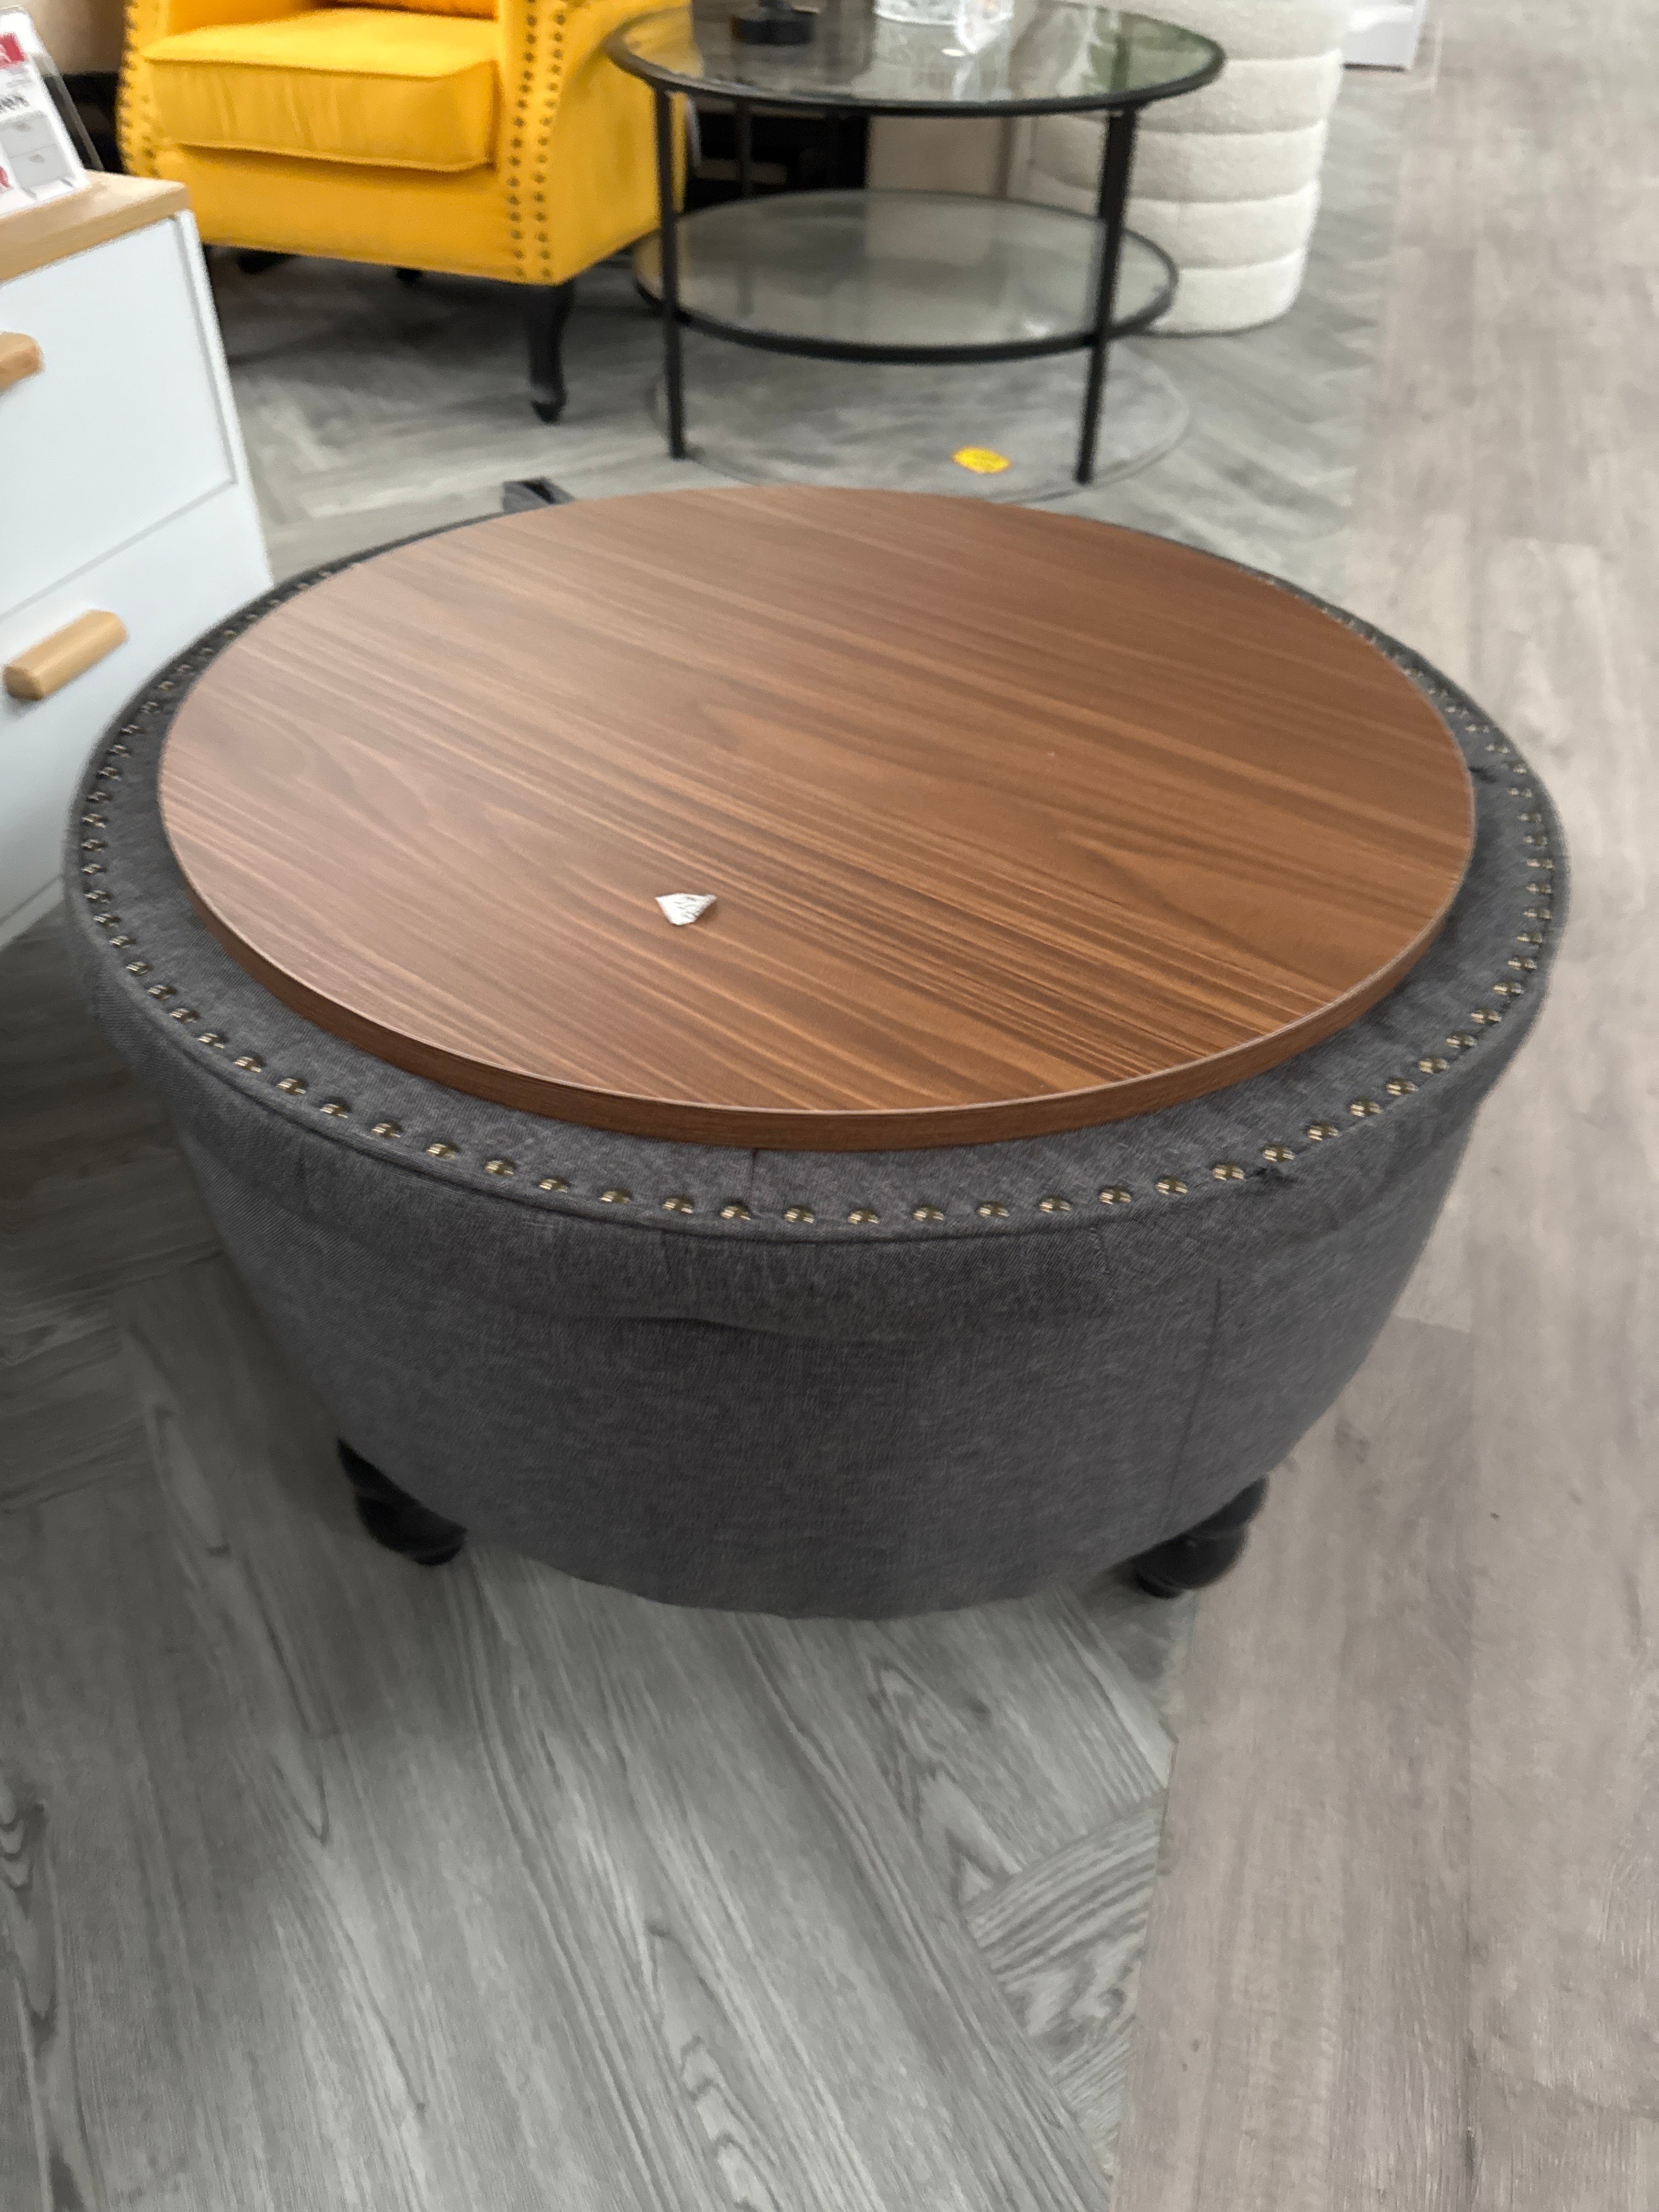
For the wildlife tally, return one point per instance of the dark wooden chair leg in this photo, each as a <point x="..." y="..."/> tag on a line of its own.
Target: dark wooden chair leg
<point x="547" y="310"/>
<point x="395" y="1519"/>
<point x="1203" y="1553"/>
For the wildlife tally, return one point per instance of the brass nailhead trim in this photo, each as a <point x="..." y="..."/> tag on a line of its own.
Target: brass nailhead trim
<point x="1460" y="1042"/>
<point x="1279" y="1153"/>
<point x="1227" y="1171"/>
<point x="1485" y="1015"/>
<point x="116" y="940"/>
<point x="1172" y="1187"/>
<point x="1320" y="1130"/>
<point x="1527" y="966"/>
<point x="183" y="1014"/>
<point x="552" y="1182"/>
<point x="1432" y="1064"/>
<point x="1399" y="1088"/>
<point x="213" y="1039"/>
<point x="1361" y="1107"/>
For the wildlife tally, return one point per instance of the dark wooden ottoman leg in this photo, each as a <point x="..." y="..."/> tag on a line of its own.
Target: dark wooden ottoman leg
<point x="395" y="1519"/>
<point x="1204" y="1552"/>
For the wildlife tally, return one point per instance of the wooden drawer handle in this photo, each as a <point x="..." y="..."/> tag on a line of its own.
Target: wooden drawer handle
<point x="68" y="652"/>
<point x="18" y="357"/>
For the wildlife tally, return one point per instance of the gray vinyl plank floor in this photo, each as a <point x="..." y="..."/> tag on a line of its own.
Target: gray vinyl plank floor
<point x="327" y="1879"/>
<point x="1405" y="1951"/>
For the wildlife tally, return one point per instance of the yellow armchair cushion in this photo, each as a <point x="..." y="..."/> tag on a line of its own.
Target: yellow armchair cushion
<point x="394" y="90"/>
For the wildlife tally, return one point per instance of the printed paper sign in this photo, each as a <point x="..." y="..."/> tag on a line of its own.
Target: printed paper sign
<point x="38" y="161"/>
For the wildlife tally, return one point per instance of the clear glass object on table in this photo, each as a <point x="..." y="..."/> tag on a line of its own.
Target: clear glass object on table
<point x="974" y="23"/>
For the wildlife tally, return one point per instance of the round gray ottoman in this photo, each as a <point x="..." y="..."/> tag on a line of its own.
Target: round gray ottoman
<point x="814" y="1383"/>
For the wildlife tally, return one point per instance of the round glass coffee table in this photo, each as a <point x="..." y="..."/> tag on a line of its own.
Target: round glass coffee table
<point x="905" y="276"/>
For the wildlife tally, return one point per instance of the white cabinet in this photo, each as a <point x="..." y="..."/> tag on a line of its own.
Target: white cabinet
<point x="123" y="490"/>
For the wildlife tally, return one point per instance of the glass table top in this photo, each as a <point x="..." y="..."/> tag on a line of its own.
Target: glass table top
<point x="909" y="272"/>
<point x="1054" y="55"/>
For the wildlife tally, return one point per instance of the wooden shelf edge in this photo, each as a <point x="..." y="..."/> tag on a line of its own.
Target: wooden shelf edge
<point x="35" y="237"/>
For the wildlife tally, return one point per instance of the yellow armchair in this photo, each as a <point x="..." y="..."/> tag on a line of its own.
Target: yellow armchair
<point x="482" y="137"/>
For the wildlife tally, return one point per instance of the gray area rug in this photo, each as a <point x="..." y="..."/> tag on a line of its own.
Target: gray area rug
<point x="371" y="411"/>
<point x="765" y="418"/>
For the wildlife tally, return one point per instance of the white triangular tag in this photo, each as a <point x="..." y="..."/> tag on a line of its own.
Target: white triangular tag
<point x="682" y="906"/>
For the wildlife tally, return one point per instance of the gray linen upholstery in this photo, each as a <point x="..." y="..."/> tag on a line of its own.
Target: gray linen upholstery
<point x="727" y="1408"/>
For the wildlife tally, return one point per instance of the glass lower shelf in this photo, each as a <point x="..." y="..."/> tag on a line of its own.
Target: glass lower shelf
<point x="900" y="276"/>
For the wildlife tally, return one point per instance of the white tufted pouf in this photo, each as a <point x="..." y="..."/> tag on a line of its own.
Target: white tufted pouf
<point x="1226" y="180"/>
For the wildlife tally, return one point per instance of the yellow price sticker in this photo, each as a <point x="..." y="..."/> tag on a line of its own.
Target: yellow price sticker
<point x="981" y="461"/>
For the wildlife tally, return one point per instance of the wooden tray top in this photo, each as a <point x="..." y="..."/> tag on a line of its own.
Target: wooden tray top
<point x="1014" y="822"/>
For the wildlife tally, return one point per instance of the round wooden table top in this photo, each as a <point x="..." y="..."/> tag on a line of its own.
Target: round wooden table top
<point x="1013" y="821"/>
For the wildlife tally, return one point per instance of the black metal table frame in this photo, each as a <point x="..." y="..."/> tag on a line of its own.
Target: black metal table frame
<point x="1123" y="114"/>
